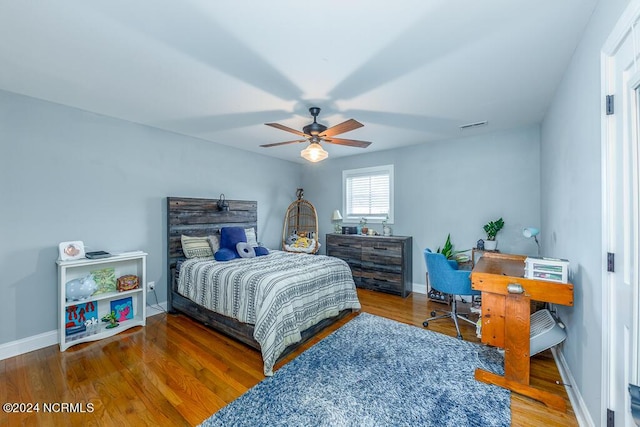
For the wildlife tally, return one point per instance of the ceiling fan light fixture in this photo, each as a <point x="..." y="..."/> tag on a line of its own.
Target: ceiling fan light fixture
<point x="314" y="153"/>
<point x="316" y="133"/>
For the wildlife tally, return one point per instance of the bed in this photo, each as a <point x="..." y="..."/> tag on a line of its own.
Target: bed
<point x="272" y="303"/>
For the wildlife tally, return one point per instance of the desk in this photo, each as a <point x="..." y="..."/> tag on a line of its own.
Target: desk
<point x="476" y="254"/>
<point x="506" y="322"/>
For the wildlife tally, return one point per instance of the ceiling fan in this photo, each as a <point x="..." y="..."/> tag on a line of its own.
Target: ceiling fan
<point x="316" y="132"/>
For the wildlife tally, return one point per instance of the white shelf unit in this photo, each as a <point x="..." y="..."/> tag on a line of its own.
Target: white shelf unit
<point x="123" y="264"/>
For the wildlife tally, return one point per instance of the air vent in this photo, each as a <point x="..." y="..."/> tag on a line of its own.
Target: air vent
<point x="473" y="125"/>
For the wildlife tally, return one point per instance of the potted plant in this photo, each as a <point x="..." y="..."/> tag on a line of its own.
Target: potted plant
<point x="492" y="228"/>
<point x="447" y="250"/>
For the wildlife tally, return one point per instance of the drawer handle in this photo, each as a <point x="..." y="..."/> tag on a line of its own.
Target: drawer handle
<point x="515" y="288"/>
<point x="381" y="249"/>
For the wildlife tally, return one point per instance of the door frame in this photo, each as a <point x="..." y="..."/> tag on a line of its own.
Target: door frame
<point x="623" y="29"/>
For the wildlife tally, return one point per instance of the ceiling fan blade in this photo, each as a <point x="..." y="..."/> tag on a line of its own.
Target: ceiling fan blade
<point x="282" y="143"/>
<point x="343" y="127"/>
<point x="285" y="128"/>
<point x="348" y="142"/>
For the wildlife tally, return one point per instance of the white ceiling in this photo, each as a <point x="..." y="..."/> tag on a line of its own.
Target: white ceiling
<point x="412" y="71"/>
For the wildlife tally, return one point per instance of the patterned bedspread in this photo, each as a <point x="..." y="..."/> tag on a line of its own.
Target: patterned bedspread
<point x="282" y="294"/>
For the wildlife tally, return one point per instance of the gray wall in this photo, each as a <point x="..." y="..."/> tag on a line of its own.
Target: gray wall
<point x="571" y="200"/>
<point x="66" y="174"/>
<point x="452" y="186"/>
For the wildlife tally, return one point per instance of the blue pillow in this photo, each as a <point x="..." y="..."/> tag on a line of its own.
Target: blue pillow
<point x="261" y="250"/>
<point x="225" y="254"/>
<point x="231" y="236"/>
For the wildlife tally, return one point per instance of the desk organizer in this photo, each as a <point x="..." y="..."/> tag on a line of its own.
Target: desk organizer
<point x="550" y="269"/>
<point x="545" y="332"/>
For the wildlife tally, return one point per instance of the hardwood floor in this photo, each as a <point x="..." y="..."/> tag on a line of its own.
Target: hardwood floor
<point x="178" y="372"/>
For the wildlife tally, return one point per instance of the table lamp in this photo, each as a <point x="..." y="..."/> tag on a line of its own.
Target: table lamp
<point x="532" y="232"/>
<point x="337" y="218"/>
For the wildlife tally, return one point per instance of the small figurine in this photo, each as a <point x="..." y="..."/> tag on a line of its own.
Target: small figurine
<point x="480" y="245"/>
<point x="386" y="230"/>
<point x="111" y="318"/>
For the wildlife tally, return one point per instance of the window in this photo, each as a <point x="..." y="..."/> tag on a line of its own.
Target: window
<point x="368" y="193"/>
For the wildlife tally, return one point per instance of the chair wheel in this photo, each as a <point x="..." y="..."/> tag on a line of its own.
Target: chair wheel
<point x="433" y="314"/>
<point x="425" y="323"/>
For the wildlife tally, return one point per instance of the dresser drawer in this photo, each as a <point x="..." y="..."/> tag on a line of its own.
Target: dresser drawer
<point x="343" y="240"/>
<point x="343" y="247"/>
<point x="382" y="281"/>
<point x="382" y="252"/>
<point x="356" y="272"/>
<point x="350" y="255"/>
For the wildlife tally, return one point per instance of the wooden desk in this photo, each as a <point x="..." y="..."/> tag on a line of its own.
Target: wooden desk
<point x="506" y="321"/>
<point x="476" y="254"/>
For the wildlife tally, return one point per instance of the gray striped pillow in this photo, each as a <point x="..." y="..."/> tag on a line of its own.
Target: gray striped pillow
<point x="196" y="247"/>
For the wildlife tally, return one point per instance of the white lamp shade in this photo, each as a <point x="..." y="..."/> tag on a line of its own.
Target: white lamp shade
<point x="336" y="216"/>
<point x="314" y="153"/>
<point x="530" y="232"/>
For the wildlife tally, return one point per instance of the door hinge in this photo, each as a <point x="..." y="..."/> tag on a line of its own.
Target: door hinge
<point x="611" y="262"/>
<point x="609" y="105"/>
<point x="610" y="418"/>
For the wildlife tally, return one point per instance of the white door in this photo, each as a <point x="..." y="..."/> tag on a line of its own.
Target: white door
<point x="620" y="218"/>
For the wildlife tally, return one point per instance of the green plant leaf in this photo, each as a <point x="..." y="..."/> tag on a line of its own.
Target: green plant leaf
<point x="492" y="228"/>
<point x="447" y="249"/>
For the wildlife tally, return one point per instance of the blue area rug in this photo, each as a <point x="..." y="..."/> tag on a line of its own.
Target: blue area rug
<point x="377" y="372"/>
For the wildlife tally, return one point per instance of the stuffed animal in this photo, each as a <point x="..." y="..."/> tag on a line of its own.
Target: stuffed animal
<point x="292" y="239"/>
<point x="81" y="288"/>
<point x="302" y="242"/>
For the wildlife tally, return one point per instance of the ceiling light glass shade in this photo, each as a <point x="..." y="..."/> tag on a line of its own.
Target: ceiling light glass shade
<point x="336" y="216"/>
<point x="530" y="232"/>
<point x="314" y="153"/>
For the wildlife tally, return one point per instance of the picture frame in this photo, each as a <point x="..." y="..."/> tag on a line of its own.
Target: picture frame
<point x="71" y="250"/>
<point x="79" y="314"/>
<point x="106" y="280"/>
<point x="123" y="309"/>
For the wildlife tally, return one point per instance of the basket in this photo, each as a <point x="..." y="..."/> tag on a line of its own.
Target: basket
<point x="300" y="222"/>
<point x="545" y="332"/>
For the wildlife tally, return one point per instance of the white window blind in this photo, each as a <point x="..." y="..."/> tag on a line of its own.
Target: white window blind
<point x="368" y="193"/>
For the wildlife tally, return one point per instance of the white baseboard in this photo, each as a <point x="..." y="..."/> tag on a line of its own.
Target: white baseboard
<point x="419" y="288"/>
<point x="25" y="345"/>
<point x="577" y="402"/>
<point x="45" y="339"/>
<point x="154" y="309"/>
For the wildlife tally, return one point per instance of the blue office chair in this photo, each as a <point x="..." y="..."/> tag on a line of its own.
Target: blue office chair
<point x="445" y="277"/>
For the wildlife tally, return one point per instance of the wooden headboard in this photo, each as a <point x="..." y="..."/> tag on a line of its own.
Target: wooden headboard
<point x="201" y="217"/>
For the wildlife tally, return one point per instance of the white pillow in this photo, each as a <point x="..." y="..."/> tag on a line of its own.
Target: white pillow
<point x="252" y="239"/>
<point x="214" y="242"/>
<point x="245" y="250"/>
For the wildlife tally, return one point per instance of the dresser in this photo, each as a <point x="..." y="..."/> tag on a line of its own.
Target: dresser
<point x="378" y="263"/>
